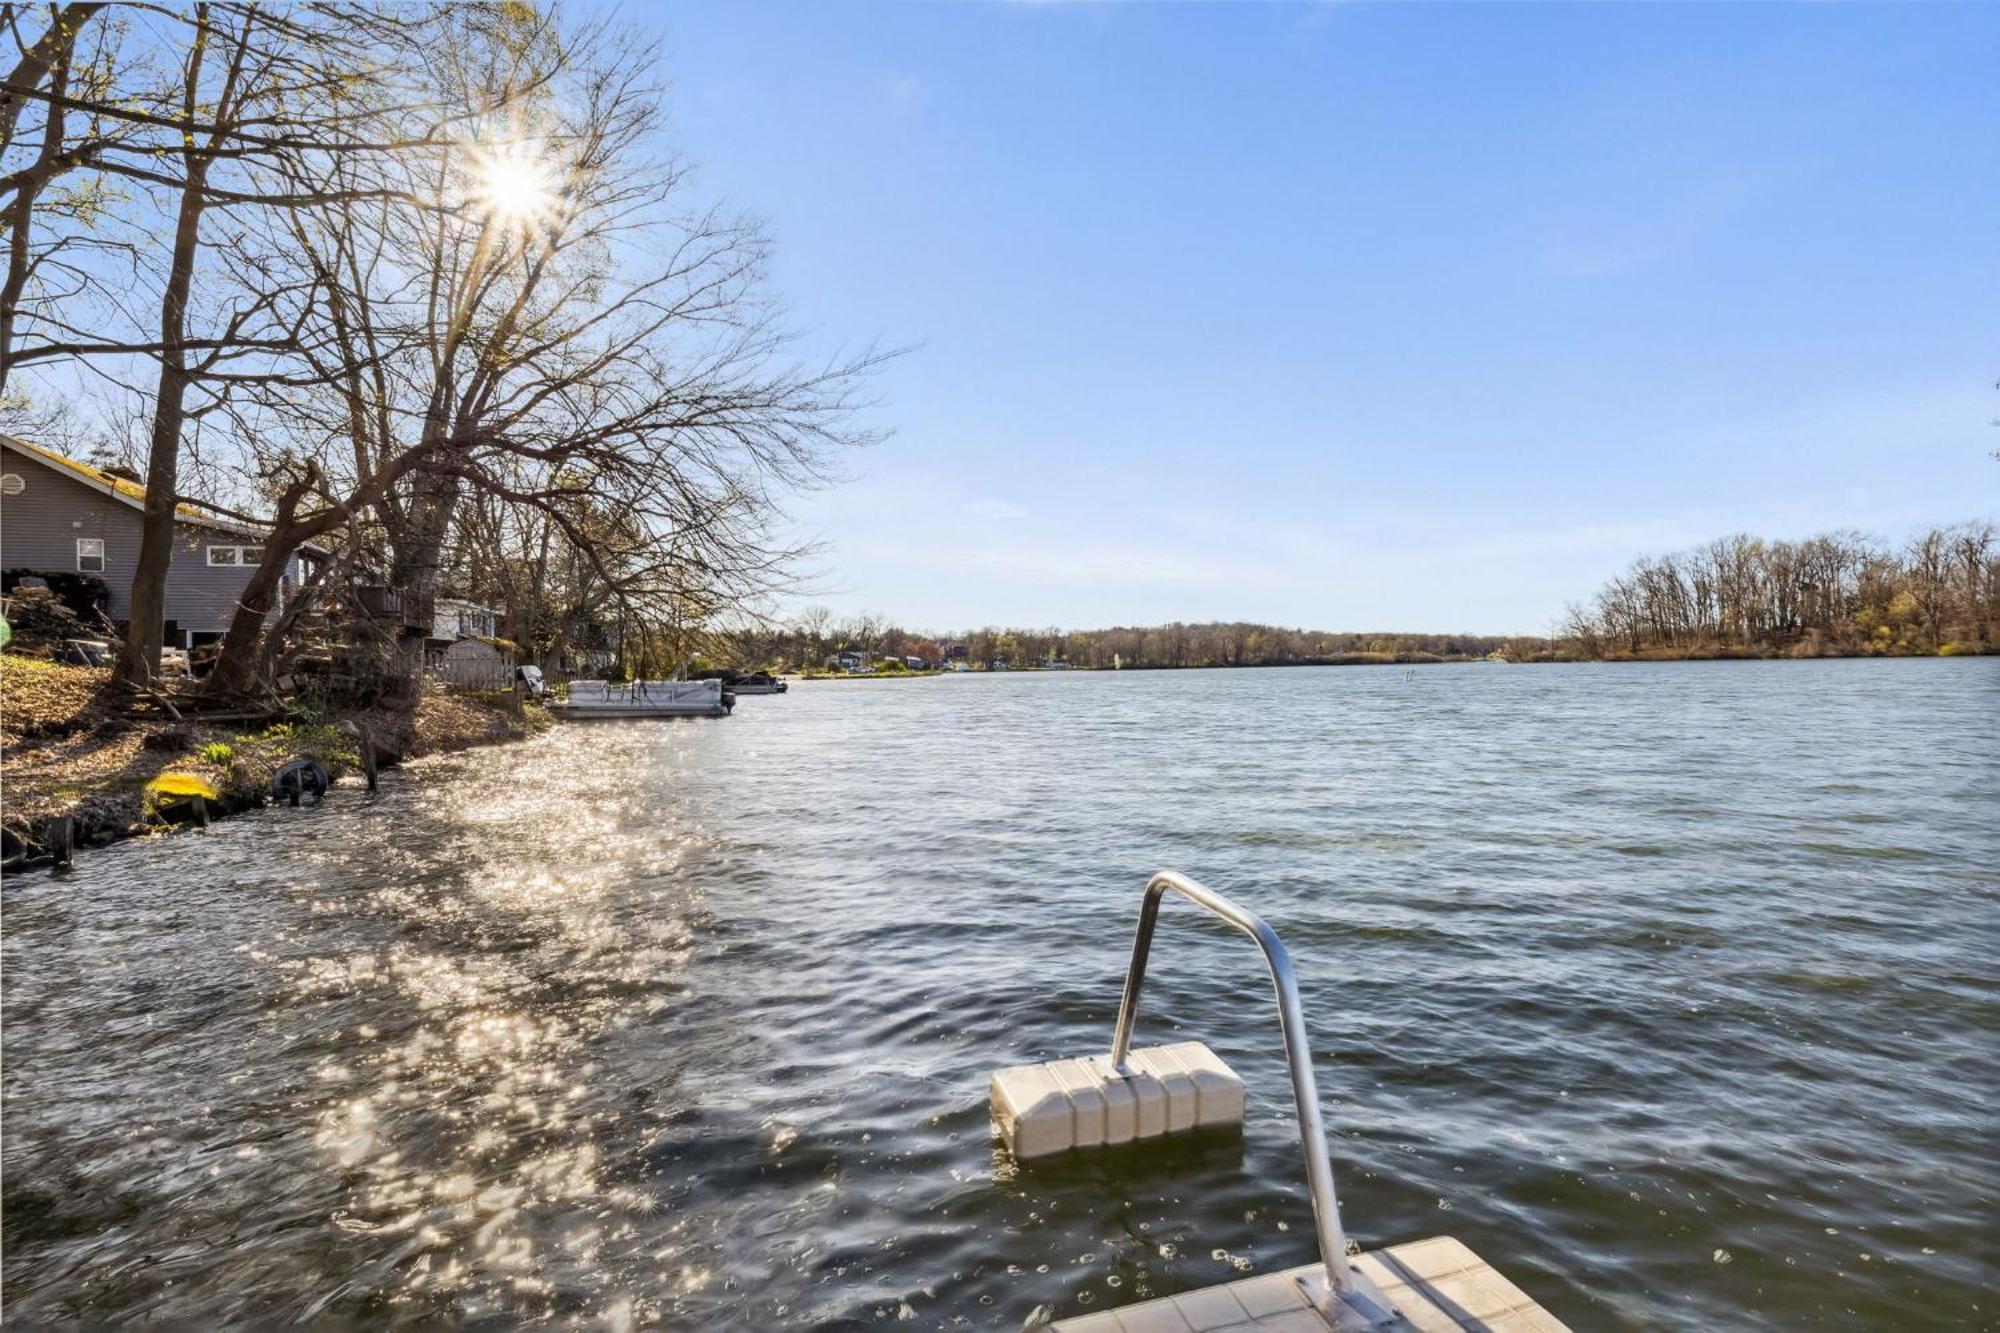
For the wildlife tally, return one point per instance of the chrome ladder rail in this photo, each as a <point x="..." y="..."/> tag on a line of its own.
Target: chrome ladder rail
<point x="1341" y="1278"/>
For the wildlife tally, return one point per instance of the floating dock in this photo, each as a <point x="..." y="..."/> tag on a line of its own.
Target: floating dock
<point x="1436" y="1286"/>
<point x="1041" y="1110"/>
<point x="1085" y="1104"/>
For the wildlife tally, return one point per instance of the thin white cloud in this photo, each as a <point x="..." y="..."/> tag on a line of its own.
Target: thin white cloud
<point x="999" y="511"/>
<point x="1099" y="565"/>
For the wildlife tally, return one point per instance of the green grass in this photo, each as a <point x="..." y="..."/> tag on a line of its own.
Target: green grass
<point x="33" y="665"/>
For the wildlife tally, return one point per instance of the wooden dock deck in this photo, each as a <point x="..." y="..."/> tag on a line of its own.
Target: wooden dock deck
<point x="1437" y="1285"/>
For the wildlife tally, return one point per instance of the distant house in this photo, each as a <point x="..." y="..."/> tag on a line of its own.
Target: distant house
<point x="854" y="663"/>
<point x="916" y="664"/>
<point x="473" y="662"/>
<point x="61" y="516"/>
<point x="453" y="619"/>
<point x="457" y="648"/>
<point x="594" y="655"/>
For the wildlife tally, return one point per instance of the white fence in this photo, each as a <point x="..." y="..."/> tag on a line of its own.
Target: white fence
<point x="473" y="671"/>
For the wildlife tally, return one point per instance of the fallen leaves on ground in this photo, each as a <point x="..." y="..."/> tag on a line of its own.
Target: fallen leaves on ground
<point x="40" y="698"/>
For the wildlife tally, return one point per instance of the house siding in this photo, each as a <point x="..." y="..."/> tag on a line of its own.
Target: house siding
<point x="454" y="618"/>
<point x="40" y="526"/>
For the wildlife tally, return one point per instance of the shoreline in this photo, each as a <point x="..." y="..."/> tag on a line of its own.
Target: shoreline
<point x="862" y="675"/>
<point x="73" y="759"/>
<point x="1432" y="659"/>
<point x="69" y="756"/>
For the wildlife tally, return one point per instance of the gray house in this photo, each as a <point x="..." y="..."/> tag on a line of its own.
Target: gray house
<point x="454" y="618"/>
<point x="61" y="516"/>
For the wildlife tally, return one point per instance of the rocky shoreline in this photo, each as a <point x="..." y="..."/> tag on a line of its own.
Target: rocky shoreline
<point x="68" y="755"/>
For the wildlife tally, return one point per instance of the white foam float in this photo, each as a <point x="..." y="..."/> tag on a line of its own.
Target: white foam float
<point x="1059" y="1105"/>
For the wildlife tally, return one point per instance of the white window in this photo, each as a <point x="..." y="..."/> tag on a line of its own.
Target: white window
<point x="235" y="555"/>
<point x="90" y="554"/>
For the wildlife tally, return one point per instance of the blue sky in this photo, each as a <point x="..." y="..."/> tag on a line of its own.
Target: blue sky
<point x="1363" y="317"/>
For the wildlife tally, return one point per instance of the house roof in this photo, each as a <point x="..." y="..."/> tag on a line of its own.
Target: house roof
<point x="133" y="493"/>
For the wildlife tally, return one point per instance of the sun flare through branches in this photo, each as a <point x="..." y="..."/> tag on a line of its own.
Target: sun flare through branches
<point x="515" y="184"/>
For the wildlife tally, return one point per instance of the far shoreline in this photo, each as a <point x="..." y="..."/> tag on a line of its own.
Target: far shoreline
<point x="1411" y="660"/>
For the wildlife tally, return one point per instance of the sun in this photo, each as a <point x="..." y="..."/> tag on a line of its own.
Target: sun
<point x="516" y="184"/>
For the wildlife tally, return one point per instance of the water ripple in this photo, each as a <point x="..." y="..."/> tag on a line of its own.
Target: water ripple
<point x="1665" y="987"/>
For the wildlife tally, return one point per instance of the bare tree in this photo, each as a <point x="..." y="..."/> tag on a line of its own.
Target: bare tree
<point x="553" y="331"/>
<point x="64" y="86"/>
<point x="253" y="89"/>
<point x="1832" y="592"/>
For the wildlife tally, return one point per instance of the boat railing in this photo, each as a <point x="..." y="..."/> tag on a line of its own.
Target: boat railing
<point x="640" y="691"/>
<point x="1298" y="1056"/>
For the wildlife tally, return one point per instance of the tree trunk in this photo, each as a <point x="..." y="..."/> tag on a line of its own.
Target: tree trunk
<point x="21" y="212"/>
<point x="236" y="661"/>
<point x="420" y="558"/>
<point x="51" y="51"/>
<point x="140" y="660"/>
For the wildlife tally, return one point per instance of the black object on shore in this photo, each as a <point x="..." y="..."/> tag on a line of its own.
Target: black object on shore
<point x="61" y="840"/>
<point x="299" y="778"/>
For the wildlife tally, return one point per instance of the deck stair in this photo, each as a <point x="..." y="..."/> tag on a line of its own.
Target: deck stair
<point x="1091" y="1103"/>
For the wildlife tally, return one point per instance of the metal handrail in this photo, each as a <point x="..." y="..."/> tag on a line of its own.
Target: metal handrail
<point x="1340" y="1274"/>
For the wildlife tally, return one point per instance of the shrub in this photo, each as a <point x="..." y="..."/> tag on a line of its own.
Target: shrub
<point x="217" y="752"/>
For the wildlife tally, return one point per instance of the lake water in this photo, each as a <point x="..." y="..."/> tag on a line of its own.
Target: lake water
<point x="1668" y="988"/>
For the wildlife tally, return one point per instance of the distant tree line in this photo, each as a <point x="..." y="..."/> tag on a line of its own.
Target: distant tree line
<point x="812" y="638"/>
<point x="1238" y="643"/>
<point x="1838" y="593"/>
